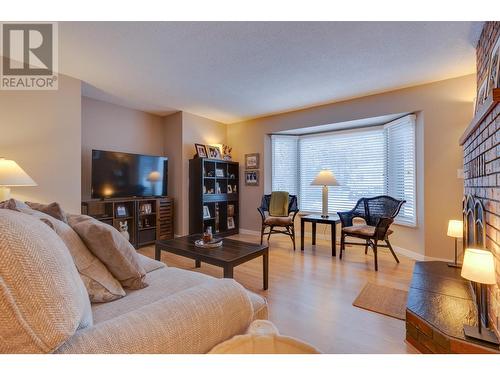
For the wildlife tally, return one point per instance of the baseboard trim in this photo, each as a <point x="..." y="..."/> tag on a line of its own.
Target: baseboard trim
<point x="399" y="250"/>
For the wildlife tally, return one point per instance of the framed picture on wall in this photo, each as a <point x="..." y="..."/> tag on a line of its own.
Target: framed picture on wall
<point x="252" y="178"/>
<point x="481" y="94"/>
<point x="252" y="161"/>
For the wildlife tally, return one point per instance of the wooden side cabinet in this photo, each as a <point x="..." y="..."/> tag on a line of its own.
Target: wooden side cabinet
<point x="148" y="219"/>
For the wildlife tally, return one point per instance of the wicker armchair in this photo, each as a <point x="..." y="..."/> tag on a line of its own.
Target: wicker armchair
<point x="379" y="213"/>
<point x="285" y="222"/>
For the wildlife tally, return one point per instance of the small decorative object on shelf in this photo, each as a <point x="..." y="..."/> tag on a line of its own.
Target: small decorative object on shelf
<point x="494" y="67"/>
<point x="226" y="152"/>
<point x="201" y="150"/>
<point x="121" y="210"/>
<point x="214" y="152"/>
<point x="146" y="209"/>
<point x="219" y="172"/>
<point x="206" y="213"/>
<point x="252" y="178"/>
<point x="124" y="230"/>
<point x="229" y="189"/>
<point x="230" y="222"/>
<point x="252" y="161"/>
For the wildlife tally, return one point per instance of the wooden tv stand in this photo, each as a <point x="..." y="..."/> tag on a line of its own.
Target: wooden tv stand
<point x="148" y="218"/>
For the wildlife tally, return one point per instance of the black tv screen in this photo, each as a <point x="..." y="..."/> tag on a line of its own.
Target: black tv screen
<point x="120" y="175"/>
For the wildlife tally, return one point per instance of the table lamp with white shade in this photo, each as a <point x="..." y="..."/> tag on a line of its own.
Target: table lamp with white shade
<point x="325" y="178"/>
<point x="456" y="231"/>
<point x="479" y="267"/>
<point x="12" y="175"/>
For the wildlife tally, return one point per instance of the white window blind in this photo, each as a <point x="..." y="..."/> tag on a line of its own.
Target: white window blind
<point x="367" y="162"/>
<point x="285" y="163"/>
<point x="355" y="157"/>
<point x="401" y="165"/>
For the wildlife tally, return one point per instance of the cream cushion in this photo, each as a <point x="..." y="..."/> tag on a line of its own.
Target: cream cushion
<point x="263" y="337"/>
<point x="107" y="244"/>
<point x="43" y="301"/>
<point x="99" y="282"/>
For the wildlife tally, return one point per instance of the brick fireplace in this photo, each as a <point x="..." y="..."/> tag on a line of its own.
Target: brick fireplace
<point x="481" y="148"/>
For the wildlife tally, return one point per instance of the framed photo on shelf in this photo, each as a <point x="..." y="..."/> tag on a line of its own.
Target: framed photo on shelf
<point x="214" y="152"/>
<point x="252" y="161"/>
<point x="206" y="212"/>
<point x="230" y="210"/>
<point x="201" y="150"/>
<point x="230" y="223"/>
<point x="219" y="172"/>
<point x="252" y="178"/>
<point x="146" y="208"/>
<point x="121" y="210"/>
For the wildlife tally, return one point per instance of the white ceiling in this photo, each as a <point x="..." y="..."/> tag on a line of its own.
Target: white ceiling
<point x="233" y="71"/>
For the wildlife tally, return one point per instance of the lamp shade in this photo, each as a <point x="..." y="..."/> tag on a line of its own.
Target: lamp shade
<point x="325" y="178"/>
<point x="12" y="174"/>
<point x="455" y="228"/>
<point x="479" y="266"/>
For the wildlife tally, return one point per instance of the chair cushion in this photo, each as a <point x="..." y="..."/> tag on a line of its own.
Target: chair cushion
<point x="278" y="205"/>
<point x="107" y="244"/>
<point x="43" y="301"/>
<point x="278" y="220"/>
<point x="362" y="230"/>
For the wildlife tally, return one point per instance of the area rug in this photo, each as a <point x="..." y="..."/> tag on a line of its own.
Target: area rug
<point x="383" y="300"/>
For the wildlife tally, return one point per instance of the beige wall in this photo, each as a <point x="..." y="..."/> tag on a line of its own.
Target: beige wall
<point x="111" y="127"/>
<point x="41" y="131"/>
<point x="444" y="109"/>
<point x="195" y="129"/>
<point x="173" y="149"/>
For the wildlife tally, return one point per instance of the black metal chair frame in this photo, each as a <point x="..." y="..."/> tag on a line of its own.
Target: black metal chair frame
<point x="380" y="222"/>
<point x="289" y="230"/>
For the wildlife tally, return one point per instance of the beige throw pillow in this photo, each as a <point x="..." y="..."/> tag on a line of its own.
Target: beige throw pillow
<point x="99" y="282"/>
<point x="107" y="244"/>
<point x="42" y="298"/>
<point x="53" y="209"/>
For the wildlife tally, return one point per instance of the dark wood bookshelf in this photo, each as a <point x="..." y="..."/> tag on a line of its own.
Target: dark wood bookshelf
<point x="143" y="228"/>
<point x="215" y="184"/>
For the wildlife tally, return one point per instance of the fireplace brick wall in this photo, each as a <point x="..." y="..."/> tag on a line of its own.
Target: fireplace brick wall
<point x="482" y="167"/>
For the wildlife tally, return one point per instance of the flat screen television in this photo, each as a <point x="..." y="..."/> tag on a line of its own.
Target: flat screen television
<point x="121" y="175"/>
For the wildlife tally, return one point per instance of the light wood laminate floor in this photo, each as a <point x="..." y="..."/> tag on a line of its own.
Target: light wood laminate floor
<point x="311" y="293"/>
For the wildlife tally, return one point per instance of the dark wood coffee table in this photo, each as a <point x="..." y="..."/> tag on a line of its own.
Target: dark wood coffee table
<point x="231" y="254"/>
